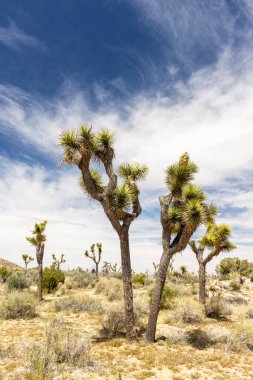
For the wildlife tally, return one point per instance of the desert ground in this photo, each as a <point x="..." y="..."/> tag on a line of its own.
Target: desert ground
<point x="189" y="345"/>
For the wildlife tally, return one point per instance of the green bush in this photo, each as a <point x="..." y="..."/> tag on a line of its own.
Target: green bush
<point x="139" y="279"/>
<point x="4" y="274"/>
<point x="17" y="281"/>
<point x="235" y="285"/>
<point x="18" y="305"/>
<point x="234" y="265"/>
<point x="168" y="297"/>
<point x="52" y="277"/>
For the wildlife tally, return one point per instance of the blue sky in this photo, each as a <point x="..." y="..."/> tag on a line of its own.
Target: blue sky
<point x="166" y="76"/>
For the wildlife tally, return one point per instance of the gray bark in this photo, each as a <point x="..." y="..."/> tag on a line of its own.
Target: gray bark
<point x="127" y="286"/>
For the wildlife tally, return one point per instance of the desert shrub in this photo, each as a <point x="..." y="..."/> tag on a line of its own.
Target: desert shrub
<point x="168" y="297"/>
<point x="235" y="285"/>
<point x="77" y="304"/>
<point x="217" y="308"/>
<point x="117" y="275"/>
<point x="217" y="334"/>
<point x="52" y="277"/>
<point x="177" y="336"/>
<point x="249" y="313"/>
<point x="17" y="281"/>
<point x="139" y="279"/>
<point x="4" y="274"/>
<point x="241" y="337"/>
<point x="251" y="277"/>
<point x="141" y="305"/>
<point x="81" y="279"/>
<point x="189" y="313"/>
<point x="18" y="305"/>
<point x="33" y="276"/>
<point x="230" y="265"/>
<point x="110" y="287"/>
<point x="61" y="345"/>
<point x="113" y="324"/>
<point x="237" y="300"/>
<point x="61" y="291"/>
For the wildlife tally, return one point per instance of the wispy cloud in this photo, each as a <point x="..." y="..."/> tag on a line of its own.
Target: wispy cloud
<point x="15" y="37"/>
<point x="211" y="117"/>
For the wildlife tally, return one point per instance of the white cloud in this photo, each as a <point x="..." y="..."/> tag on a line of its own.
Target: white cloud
<point x="212" y="118"/>
<point x="15" y="37"/>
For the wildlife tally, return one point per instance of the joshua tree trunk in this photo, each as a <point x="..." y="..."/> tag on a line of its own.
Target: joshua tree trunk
<point x="39" y="256"/>
<point x="155" y="305"/>
<point x="127" y="285"/>
<point x="97" y="270"/>
<point x="202" y="283"/>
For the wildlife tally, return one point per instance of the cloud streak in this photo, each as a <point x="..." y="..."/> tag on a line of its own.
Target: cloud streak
<point x="15" y="37"/>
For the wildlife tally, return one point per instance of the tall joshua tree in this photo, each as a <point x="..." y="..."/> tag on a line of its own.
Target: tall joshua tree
<point x="215" y="241"/>
<point x="120" y="202"/>
<point x="92" y="255"/>
<point x="38" y="241"/>
<point x="183" y="209"/>
<point x="57" y="262"/>
<point x="27" y="259"/>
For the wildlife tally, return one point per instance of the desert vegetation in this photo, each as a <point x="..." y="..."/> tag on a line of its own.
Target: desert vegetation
<point x="113" y="323"/>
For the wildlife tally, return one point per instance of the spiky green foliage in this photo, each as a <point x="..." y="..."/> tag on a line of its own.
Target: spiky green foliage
<point x="38" y="234"/>
<point x="97" y="182"/>
<point x="193" y="213"/>
<point x="218" y="237"/>
<point x="180" y="174"/>
<point x="86" y="137"/>
<point x="190" y="192"/>
<point x="133" y="172"/>
<point x="121" y="200"/>
<point x="175" y="214"/>
<point x="57" y="262"/>
<point x="27" y="259"/>
<point x="104" y="140"/>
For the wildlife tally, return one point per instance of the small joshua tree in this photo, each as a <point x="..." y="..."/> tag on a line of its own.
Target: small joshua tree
<point x="109" y="267"/>
<point x="57" y="262"/>
<point x="183" y="209"/>
<point x="156" y="267"/>
<point x="92" y="255"/>
<point x="120" y="202"/>
<point x="38" y="241"/>
<point x="215" y="240"/>
<point x="27" y="259"/>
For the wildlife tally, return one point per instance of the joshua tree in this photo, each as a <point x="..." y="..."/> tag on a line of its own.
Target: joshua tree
<point x="92" y="255"/>
<point x="156" y="267"/>
<point x="109" y="267"/>
<point x="57" y="263"/>
<point x="120" y="202"/>
<point x="183" y="209"/>
<point x="38" y="241"/>
<point x="27" y="259"/>
<point x="183" y="269"/>
<point x="215" y="240"/>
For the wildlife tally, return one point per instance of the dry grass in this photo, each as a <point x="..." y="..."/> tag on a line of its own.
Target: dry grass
<point x="206" y="351"/>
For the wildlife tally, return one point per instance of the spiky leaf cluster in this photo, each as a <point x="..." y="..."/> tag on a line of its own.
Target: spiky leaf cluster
<point x="122" y="199"/>
<point x="83" y="143"/>
<point x="217" y="237"/>
<point x="187" y="206"/>
<point x="38" y="234"/>
<point x="133" y="172"/>
<point x="180" y="174"/>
